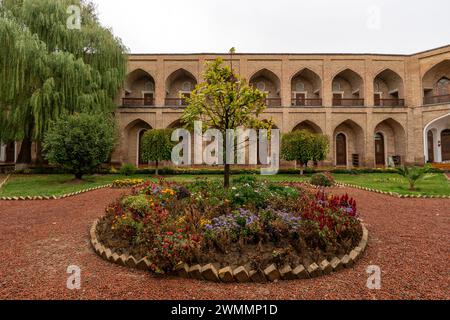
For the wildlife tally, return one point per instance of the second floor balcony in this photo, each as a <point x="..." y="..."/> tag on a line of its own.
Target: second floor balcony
<point x="445" y="98"/>
<point x="340" y="102"/>
<point x="389" y="102"/>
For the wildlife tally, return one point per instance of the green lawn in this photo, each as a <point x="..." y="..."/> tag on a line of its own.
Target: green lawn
<point x="432" y="184"/>
<point x="47" y="185"/>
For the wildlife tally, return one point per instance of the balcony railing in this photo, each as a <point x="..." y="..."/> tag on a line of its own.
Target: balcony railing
<point x="437" y="99"/>
<point x="348" y="102"/>
<point x="306" y="102"/>
<point x="390" y="103"/>
<point x="138" y="102"/>
<point x="273" y="102"/>
<point x="176" y="102"/>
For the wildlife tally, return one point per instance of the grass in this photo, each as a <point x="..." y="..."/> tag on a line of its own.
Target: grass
<point x="47" y="185"/>
<point x="432" y="184"/>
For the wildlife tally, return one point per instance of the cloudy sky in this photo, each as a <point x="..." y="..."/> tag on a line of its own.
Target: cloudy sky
<point x="278" y="26"/>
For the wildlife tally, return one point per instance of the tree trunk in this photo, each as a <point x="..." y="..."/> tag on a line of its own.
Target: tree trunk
<point x="226" y="182"/>
<point x="39" y="157"/>
<point x="157" y="168"/>
<point x="24" y="156"/>
<point x="302" y="168"/>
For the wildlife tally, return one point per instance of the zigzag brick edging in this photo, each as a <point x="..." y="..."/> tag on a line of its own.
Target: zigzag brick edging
<point x="393" y="194"/>
<point x="54" y="197"/>
<point x="242" y="274"/>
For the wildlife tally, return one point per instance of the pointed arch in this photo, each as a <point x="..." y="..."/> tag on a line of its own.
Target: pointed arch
<point x="436" y="87"/>
<point x="439" y="150"/>
<point x="306" y="88"/>
<point x="348" y="88"/>
<point x="388" y="89"/>
<point x="139" y="89"/>
<point x="394" y="143"/>
<point x="309" y="126"/>
<point x="354" y="143"/>
<point x="267" y="81"/>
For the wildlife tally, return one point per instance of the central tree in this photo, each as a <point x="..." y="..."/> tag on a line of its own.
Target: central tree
<point x="50" y="65"/>
<point x="225" y="101"/>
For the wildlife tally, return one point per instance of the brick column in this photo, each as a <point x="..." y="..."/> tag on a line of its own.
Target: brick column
<point x="160" y="83"/>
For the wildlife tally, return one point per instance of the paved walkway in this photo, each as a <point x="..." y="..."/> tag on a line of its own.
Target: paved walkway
<point x="39" y="240"/>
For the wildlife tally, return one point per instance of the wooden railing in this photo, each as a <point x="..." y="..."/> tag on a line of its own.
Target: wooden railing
<point x="306" y="102"/>
<point x="176" y="102"/>
<point x="348" y="102"/>
<point x="390" y="103"/>
<point x="273" y="102"/>
<point x="437" y="99"/>
<point x="138" y="102"/>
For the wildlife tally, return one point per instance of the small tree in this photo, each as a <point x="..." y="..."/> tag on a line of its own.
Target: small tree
<point x="80" y="143"/>
<point x="157" y="146"/>
<point x="298" y="146"/>
<point x="413" y="174"/>
<point x="225" y="101"/>
<point x="320" y="148"/>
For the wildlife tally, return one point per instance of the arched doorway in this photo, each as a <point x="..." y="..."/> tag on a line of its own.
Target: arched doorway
<point x="341" y="150"/>
<point x="430" y="138"/>
<point x="445" y="145"/>
<point x="380" y="159"/>
<point x="436" y="140"/>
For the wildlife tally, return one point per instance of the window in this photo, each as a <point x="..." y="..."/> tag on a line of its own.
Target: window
<point x="261" y="86"/>
<point x="149" y="87"/>
<point x="300" y="86"/>
<point x="186" y="87"/>
<point x="336" y="86"/>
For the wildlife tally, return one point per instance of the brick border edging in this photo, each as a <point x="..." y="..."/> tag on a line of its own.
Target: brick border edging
<point x="393" y="194"/>
<point x="240" y="274"/>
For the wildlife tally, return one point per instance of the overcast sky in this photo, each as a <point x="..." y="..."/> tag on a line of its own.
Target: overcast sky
<point x="278" y="26"/>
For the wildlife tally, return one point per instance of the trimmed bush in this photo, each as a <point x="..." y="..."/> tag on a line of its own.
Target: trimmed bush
<point x="322" y="180"/>
<point x="80" y="143"/>
<point x="128" y="169"/>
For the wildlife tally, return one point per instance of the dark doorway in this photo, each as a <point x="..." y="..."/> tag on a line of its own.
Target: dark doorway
<point x="300" y="99"/>
<point x="10" y="152"/>
<point x="337" y="99"/>
<point x="341" y="150"/>
<point x="445" y="145"/>
<point x="380" y="159"/>
<point x="141" y="134"/>
<point x="430" y="137"/>
<point x="148" y="99"/>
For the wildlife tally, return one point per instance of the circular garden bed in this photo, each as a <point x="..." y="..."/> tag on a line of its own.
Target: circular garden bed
<point x="253" y="231"/>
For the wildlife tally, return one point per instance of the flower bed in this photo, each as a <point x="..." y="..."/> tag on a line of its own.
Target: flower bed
<point x="127" y="183"/>
<point x="253" y="224"/>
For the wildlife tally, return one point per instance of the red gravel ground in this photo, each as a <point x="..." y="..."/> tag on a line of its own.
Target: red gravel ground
<point x="39" y="240"/>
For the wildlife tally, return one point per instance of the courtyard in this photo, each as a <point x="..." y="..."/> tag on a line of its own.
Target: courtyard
<point x="40" y="239"/>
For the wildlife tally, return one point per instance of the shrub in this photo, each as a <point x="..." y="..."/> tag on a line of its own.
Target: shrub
<point x="128" y="169"/>
<point x="322" y="180"/>
<point x="80" y="143"/>
<point x="414" y="174"/>
<point x="157" y="146"/>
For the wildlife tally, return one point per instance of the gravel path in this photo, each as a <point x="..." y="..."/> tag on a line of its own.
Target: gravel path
<point x="39" y="240"/>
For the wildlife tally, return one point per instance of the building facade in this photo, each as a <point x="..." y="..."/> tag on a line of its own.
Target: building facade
<point x="376" y="109"/>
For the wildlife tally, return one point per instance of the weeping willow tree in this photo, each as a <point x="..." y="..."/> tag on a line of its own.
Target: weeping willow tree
<point x="48" y="69"/>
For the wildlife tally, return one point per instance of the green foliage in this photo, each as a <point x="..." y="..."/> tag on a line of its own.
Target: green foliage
<point x="157" y="146"/>
<point x="413" y="174"/>
<point x="303" y="146"/>
<point x="128" y="169"/>
<point x="48" y="69"/>
<point x="80" y="143"/>
<point x="322" y="180"/>
<point x="138" y="204"/>
<point x="225" y="101"/>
